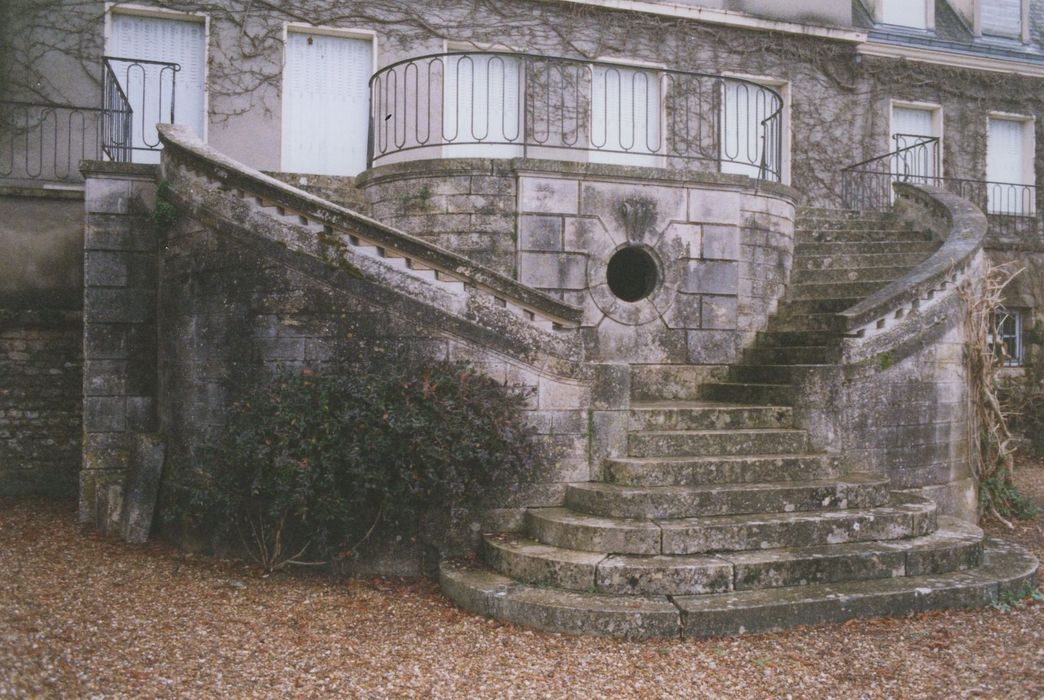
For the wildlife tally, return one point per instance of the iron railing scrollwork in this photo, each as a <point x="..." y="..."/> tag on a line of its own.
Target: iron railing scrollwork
<point x="46" y="142"/>
<point x="137" y="94"/>
<point x="499" y="104"/>
<point x="1012" y="209"/>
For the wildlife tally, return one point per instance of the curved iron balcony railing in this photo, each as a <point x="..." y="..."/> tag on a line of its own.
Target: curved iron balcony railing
<point x="502" y="105"/>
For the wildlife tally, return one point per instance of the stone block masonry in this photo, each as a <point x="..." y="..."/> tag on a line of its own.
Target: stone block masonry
<point x="40" y="406"/>
<point x="119" y="335"/>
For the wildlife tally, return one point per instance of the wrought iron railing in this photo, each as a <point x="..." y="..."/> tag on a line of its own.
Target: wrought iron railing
<point x="1012" y="209"/>
<point x="46" y="142"/>
<point x="499" y="104"/>
<point x="137" y="94"/>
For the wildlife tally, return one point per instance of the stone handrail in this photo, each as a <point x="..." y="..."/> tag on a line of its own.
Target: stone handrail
<point x="530" y="304"/>
<point x="961" y="226"/>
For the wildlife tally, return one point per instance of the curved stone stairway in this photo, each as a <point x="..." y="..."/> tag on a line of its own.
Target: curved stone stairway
<point x="721" y="520"/>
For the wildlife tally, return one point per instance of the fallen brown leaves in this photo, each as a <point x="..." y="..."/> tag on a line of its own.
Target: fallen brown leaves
<point x="82" y="616"/>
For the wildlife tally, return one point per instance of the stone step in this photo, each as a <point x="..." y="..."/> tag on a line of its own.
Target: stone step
<point x="562" y="527"/>
<point x="803" y="338"/>
<point x="857" y="232"/>
<point x="861" y="220"/>
<point x="761" y="374"/>
<point x="791" y="308"/>
<point x="703" y="443"/>
<point x="733" y="533"/>
<point x="1006" y="570"/>
<point x="656" y="502"/>
<point x="808" y="249"/>
<point x="955" y="546"/>
<point x="790" y="355"/>
<point x="849" y="274"/>
<point x="742" y="469"/>
<point x="755" y="393"/>
<point x="807" y="212"/>
<point x="530" y="561"/>
<point x="827" y="323"/>
<point x="809" y="261"/>
<point x="706" y="415"/>
<point x="835" y="290"/>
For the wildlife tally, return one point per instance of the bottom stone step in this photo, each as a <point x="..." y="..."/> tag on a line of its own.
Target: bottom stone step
<point x="1007" y="569"/>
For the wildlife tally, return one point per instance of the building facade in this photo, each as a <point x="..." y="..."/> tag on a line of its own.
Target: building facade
<point x="724" y="242"/>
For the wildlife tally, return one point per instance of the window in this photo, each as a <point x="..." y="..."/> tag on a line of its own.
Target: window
<point x="1009" y="166"/>
<point x="326" y="103"/>
<point x="626" y="114"/>
<point x="481" y="113"/>
<point x="916" y="131"/>
<point x="1007" y="344"/>
<point x="139" y="42"/>
<point x="1001" y="18"/>
<point x="904" y="13"/>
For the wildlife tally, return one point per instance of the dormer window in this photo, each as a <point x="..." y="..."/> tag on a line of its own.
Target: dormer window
<point x="904" y="13"/>
<point x="1001" y="18"/>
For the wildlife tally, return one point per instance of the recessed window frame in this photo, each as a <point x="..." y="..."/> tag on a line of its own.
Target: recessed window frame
<point x="114" y="8"/>
<point x="1010" y="335"/>
<point x="938" y="126"/>
<point x="1023" y="35"/>
<point x="929" y="15"/>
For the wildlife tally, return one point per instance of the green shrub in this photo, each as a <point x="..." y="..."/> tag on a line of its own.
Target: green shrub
<point x="310" y="464"/>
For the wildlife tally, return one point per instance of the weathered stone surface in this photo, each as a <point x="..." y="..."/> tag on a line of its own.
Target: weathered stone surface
<point x="533" y="562"/>
<point x="663" y="471"/>
<point x="560" y="527"/>
<point x="773" y="530"/>
<point x="716" y="442"/>
<point x="142" y="487"/>
<point x="746" y="612"/>
<point x="618" y="501"/>
<point x="695" y="415"/>
<point x="630" y="617"/>
<point x="663" y="575"/>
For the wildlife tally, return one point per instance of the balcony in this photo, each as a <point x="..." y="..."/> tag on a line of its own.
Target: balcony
<point x="42" y="144"/>
<point x="1011" y="208"/>
<point x="506" y="105"/>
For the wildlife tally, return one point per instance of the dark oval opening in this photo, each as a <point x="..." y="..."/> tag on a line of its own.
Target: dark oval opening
<point x="632" y="274"/>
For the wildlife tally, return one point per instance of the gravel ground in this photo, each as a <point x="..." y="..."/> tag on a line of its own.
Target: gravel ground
<point x="81" y="616"/>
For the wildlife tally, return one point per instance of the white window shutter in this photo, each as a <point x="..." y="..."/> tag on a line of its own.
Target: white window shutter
<point x="326" y="104"/>
<point x="148" y="87"/>
<point x="905" y="13"/>
<point x="1002" y="17"/>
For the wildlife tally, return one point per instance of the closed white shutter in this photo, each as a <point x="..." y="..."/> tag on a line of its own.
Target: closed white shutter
<point x="1006" y="167"/>
<point x="1002" y="17"/>
<point x="625" y="113"/>
<point x="481" y="106"/>
<point x="326" y="104"/>
<point x="148" y="86"/>
<point x="905" y="13"/>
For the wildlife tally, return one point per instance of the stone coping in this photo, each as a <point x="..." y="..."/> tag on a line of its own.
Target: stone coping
<point x="42" y="191"/>
<point x="439" y="167"/>
<point x="964" y="230"/>
<point x="95" y="168"/>
<point x="183" y="144"/>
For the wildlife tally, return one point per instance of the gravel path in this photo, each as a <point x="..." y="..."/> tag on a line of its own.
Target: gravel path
<point x="81" y="616"/>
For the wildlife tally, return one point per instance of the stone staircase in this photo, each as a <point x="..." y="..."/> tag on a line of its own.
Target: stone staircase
<point x="721" y="519"/>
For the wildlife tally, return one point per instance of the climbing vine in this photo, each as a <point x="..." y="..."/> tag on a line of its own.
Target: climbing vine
<point x="839" y="111"/>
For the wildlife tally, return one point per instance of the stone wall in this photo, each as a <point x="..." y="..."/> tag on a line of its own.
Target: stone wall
<point x="244" y="292"/>
<point x="40" y="405"/>
<point x="463" y="205"/>
<point x="41" y="270"/>
<point x="722" y="250"/>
